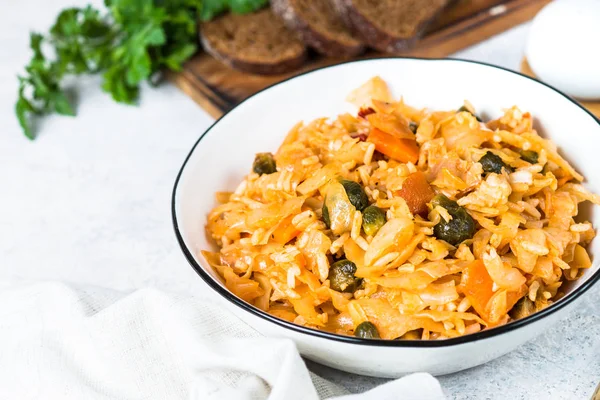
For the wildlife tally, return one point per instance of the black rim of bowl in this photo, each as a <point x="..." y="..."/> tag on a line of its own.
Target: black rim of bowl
<point x="484" y="334"/>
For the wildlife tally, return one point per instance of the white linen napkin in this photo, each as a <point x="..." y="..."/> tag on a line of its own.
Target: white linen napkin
<point x="63" y="342"/>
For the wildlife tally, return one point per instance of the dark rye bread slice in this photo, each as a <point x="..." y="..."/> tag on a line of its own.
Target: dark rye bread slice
<point x="389" y="25"/>
<point x="258" y="43"/>
<point x="319" y="25"/>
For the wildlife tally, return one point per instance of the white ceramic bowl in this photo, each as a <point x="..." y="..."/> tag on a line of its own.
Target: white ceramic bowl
<point x="224" y="154"/>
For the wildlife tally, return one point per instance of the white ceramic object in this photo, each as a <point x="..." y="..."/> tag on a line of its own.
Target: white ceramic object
<point x="224" y="154"/>
<point x="562" y="48"/>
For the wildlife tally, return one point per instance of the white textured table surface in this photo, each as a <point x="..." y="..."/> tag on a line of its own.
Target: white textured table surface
<point x="89" y="202"/>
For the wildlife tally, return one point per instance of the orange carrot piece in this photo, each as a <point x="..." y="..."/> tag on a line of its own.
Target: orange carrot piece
<point x="285" y="231"/>
<point x="403" y="150"/>
<point x="477" y="286"/>
<point x="563" y="180"/>
<point x="417" y="192"/>
<point x="514" y="296"/>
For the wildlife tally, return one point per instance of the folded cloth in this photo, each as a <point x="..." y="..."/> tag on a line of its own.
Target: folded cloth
<point x="65" y="342"/>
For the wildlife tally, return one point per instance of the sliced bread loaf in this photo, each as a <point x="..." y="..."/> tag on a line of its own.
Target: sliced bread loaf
<point x="258" y="43"/>
<point x="319" y="26"/>
<point x="389" y="25"/>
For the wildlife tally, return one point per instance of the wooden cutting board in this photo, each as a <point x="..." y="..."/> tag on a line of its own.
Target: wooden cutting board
<point x="218" y="88"/>
<point x="592" y="106"/>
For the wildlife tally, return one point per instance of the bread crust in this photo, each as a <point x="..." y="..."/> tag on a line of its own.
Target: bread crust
<point x="323" y="44"/>
<point x="282" y="65"/>
<point x="372" y="34"/>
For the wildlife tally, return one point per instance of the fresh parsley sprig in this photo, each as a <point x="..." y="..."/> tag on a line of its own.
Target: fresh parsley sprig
<point x="131" y="42"/>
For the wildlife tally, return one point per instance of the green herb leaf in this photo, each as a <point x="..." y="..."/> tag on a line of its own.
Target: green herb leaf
<point x="35" y="42"/>
<point x="179" y="55"/>
<point x="246" y="6"/>
<point x="23" y="110"/>
<point x="155" y="37"/>
<point x="212" y="8"/>
<point x="133" y="41"/>
<point x="61" y="104"/>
